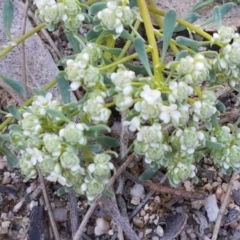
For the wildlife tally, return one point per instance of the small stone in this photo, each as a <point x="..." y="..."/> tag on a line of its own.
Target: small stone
<point x="60" y="214"/>
<point x="197" y="204"/>
<point x="3" y="230"/>
<point x="179" y="209"/>
<point x="6" y="224"/>
<point x="188" y="186"/>
<point x="155" y="238"/>
<point x="142" y="213"/>
<point x="225" y="187"/>
<point x="140" y="235"/>
<point x="211" y="207"/>
<point x="204" y="179"/>
<point x="138" y="221"/>
<point x="219" y="192"/>
<point x="146" y="217"/>
<point x="102" y="227"/>
<point x="208" y="187"/>
<point x="3" y="164"/>
<point x="157" y="199"/>
<point x="215" y="184"/>
<point x="110" y="232"/>
<point x="159" y="231"/>
<point x="135" y="200"/>
<point x="234" y="224"/>
<point x="7" y="178"/>
<point x="148" y="230"/>
<point x="219" y="179"/>
<point x="193" y="236"/>
<point x="146" y="207"/>
<point x="152" y="216"/>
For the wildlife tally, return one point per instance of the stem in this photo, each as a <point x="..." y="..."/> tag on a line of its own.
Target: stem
<point x="21" y="39"/>
<point x="185" y="23"/>
<point x="151" y="39"/>
<point x="123" y="60"/>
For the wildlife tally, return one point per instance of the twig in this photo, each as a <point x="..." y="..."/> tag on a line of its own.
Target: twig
<point x="48" y="207"/>
<point x="223" y="206"/>
<point x="168" y="190"/>
<point x="73" y="211"/>
<point x="23" y="62"/>
<point x="93" y="206"/>
<point x="112" y="210"/>
<point x="145" y="200"/>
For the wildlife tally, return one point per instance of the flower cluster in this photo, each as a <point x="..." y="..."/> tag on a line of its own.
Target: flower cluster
<point x="67" y="11"/>
<point x="56" y="148"/>
<point x="81" y="71"/>
<point x="115" y="17"/>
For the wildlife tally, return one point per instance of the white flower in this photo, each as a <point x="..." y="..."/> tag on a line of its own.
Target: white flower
<point x="168" y="112"/>
<point x="36" y="155"/>
<point x="150" y="95"/>
<point x="134" y="124"/>
<point x="42" y="3"/>
<point x="56" y="175"/>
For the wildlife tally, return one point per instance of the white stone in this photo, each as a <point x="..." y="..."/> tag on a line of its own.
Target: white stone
<point x="102" y="226"/>
<point x="211" y="207"/>
<point x="159" y="231"/>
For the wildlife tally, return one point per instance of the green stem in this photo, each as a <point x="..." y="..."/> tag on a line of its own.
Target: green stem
<point x="151" y="39"/>
<point x="21" y="39"/>
<point x="123" y="60"/>
<point x="190" y="26"/>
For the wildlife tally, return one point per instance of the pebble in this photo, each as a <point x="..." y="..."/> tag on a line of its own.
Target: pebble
<point x="193" y="236"/>
<point x="215" y="184"/>
<point x="234" y="224"/>
<point x="219" y="192"/>
<point x="102" y="227"/>
<point x="159" y="231"/>
<point x="3" y="164"/>
<point x="138" y="221"/>
<point x="179" y="209"/>
<point x="7" y="178"/>
<point x="157" y="199"/>
<point x="155" y="238"/>
<point x="146" y="217"/>
<point x="148" y="230"/>
<point x="142" y="213"/>
<point x="224" y="187"/>
<point x="219" y="179"/>
<point x="60" y="214"/>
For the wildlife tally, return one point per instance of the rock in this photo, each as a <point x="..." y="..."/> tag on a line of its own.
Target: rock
<point x="60" y="214"/>
<point x="102" y="227"/>
<point x="159" y="231"/>
<point x="211" y="207"/>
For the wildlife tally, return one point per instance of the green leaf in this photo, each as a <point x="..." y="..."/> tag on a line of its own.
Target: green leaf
<point x="214" y="121"/>
<point x="201" y="5"/>
<point x="14" y="85"/>
<point x="140" y="49"/>
<point x="8" y="10"/>
<point x="114" y="51"/>
<point x="212" y="75"/>
<point x="108" y="192"/>
<point x="5" y="137"/>
<point x="181" y="54"/>
<point x="39" y="92"/>
<point x="96" y="7"/>
<point x="132" y="3"/>
<point x="94" y="131"/>
<point x="62" y="190"/>
<point x="14" y="111"/>
<point x="11" y="158"/>
<point x="217" y="17"/>
<point x="137" y="69"/>
<point x="92" y="148"/>
<point x="63" y="85"/>
<point x="92" y="35"/>
<point x="220" y="107"/>
<point x="148" y="173"/>
<point x="63" y="61"/>
<point x="237" y="88"/>
<point x="74" y="42"/>
<point x="214" y="145"/>
<point x="188" y="42"/>
<point x="15" y="128"/>
<point x="108" y="141"/>
<point x="169" y="25"/>
<point x="190" y="17"/>
<point x="199" y="156"/>
<point x="56" y="114"/>
<point x="126" y="35"/>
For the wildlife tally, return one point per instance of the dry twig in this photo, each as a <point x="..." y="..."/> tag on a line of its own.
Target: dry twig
<point x="163" y="189"/>
<point x="48" y="207"/>
<point x="223" y="207"/>
<point x="80" y="230"/>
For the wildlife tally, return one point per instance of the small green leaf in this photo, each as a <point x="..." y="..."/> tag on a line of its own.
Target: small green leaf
<point x="217" y="17"/>
<point x="108" y="141"/>
<point x="148" y="173"/>
<point x="14" y="111"/>
<point x="62" y="190"/>
<point x="92" y="35"/>
<point x="132" y="3"/>
<point x="214" y="121"/>
<point x="63" y="61"/>
<point x="63" y="85"/>
<point x="8" y="10"/>
<point x="201" y="5"/>
<point x="11" y="158"/>
<point x="237" y="88"/>
<point x="114" y="51"/>
<point x="74" y="42"/>
<point x="212" y="75"/>
<point x="56" y="114"/>
<point x="181" y="54"/>
<point x="169" y="25"/>
<point x="214" y="145"/>
<point x="39" y="92"/>
<point x="15" y="128"/>
<point x="5" y="137"/>
<point x="199" y="156"/>
<point x="108" y="192"/>
<point x="140" y="49"/>
<point x="190" y="17"/>
<point x="220" y="107"/>
<point x="126" y="35"/>
<point x="14" y="85"/>
<point x="137" y="69"/>
<point x="92" y="148"/>
<point x="188" y="42"/>
<point x="94" y="131"/>
<point x="96" y="7"/>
